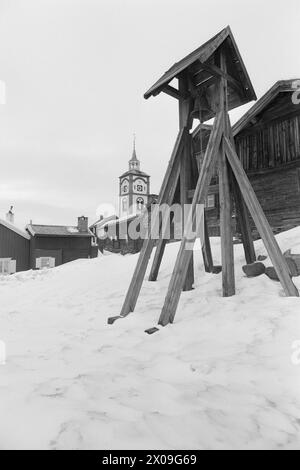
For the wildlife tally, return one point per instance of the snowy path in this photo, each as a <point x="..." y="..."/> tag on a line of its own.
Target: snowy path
<point x="221" y="377"/>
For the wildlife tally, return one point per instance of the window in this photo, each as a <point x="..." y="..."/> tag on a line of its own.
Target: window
<point x="124" y="205"/>
<point x="45" y="262"/>
<point x="140" y="203"/>
<point x="7" y="266"/>
<point x="210" y="202"/>
<point x="4" y="266"/>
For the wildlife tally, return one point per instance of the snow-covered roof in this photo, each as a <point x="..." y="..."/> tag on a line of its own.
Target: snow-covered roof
<point x="14" y="229"/>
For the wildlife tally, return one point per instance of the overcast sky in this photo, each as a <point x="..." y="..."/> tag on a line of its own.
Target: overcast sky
<point x="75" y="74"/>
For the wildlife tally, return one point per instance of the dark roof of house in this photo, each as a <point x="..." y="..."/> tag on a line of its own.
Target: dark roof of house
<point x="57" y="231"/>
<point x="15" y="229"/>
<point x="135" y="173"/>
<point x="204" y="55"/>
<point x="282" y="86"/>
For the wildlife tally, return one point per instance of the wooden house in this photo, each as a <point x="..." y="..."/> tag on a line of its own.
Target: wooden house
<point x="113" y="233"/>
<point x="53" y="245"/>
<point x="267" y="140"/>
<point x="14" y="248"/>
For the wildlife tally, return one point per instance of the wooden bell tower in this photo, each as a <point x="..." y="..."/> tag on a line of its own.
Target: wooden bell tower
<point x="211" y="81"/>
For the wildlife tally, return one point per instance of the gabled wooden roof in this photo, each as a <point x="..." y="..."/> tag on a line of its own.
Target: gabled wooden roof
<point x="200" y="65"/>
<point x="282" y="86"/>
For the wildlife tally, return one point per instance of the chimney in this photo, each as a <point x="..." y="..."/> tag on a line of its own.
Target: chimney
<point x="10" y="216"/>
<point x="83" y="224"/>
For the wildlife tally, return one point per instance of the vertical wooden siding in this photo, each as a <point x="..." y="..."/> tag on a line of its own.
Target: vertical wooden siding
<point x="270" y="146"/>
<point x="13" y="245"/>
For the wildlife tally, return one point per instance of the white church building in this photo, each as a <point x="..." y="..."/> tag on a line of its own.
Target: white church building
<point x="134" y="189"/>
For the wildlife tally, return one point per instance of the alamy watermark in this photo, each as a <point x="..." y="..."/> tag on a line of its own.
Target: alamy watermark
<point x="295" y="357"/>
<point x="160" y="222"/>
<point x="2" y="353"/>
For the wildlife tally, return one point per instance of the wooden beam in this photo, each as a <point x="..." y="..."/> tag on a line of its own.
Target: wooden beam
<point x="241" y="210"/>
<point x="185" y="121"/>
<point x="159" y="253"/>
<point x="169" y="90"/>
<point x="261" y="222"/>
<point x="244" y="222"/>
<point x="200" y="82"/>
<point x="185" y="108"/>
<point x="213" y="189"/>
<point x="226" y="229"/>
<point x="184" y="254"/>
<point x="206" y="249"/>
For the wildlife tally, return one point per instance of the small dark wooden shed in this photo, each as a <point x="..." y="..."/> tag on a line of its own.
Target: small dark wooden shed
<point x="14" y="248"/>
<point x="53" y="245"/>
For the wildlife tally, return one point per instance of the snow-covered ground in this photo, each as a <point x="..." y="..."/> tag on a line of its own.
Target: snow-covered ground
<point x="221" y="377"/>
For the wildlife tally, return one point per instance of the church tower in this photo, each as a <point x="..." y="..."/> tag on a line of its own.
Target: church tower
<point x="134" y="188"/>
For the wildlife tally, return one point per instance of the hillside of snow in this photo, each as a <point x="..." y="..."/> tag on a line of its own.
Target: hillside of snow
<point x="220" y="377"/>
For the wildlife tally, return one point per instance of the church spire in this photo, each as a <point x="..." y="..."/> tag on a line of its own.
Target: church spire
<point x="134" y="163"/>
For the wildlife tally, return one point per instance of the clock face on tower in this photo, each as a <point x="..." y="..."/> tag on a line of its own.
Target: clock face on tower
<point x="134" y="189"/>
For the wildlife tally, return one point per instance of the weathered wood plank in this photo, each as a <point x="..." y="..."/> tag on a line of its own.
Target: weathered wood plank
<point x="184" y="254"/>
<point x="206" y="249"/>
<point x="185" y="185"/>
<point x="169" y="182"/>
<point x="225" y="198"/>
<point x="241" y="210"/>
<point x="185" y="108"/>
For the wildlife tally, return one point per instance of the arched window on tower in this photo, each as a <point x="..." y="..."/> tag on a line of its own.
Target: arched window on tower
<point x="140" y="204"/>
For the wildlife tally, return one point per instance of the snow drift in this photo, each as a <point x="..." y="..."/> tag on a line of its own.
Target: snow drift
<point x="221" y="377"/>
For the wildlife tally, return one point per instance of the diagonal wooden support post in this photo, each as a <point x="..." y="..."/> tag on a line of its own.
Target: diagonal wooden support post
<point x="159" y="253"/>
<point x="206" y="247"/>
<point x="261" y="221"/>
<point x="166" y="196"/>
<point x="225" y="197"/>
<point x="184" y="254"/>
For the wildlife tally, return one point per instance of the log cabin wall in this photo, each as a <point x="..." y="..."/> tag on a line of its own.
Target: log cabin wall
<point x="270" y="144"/>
